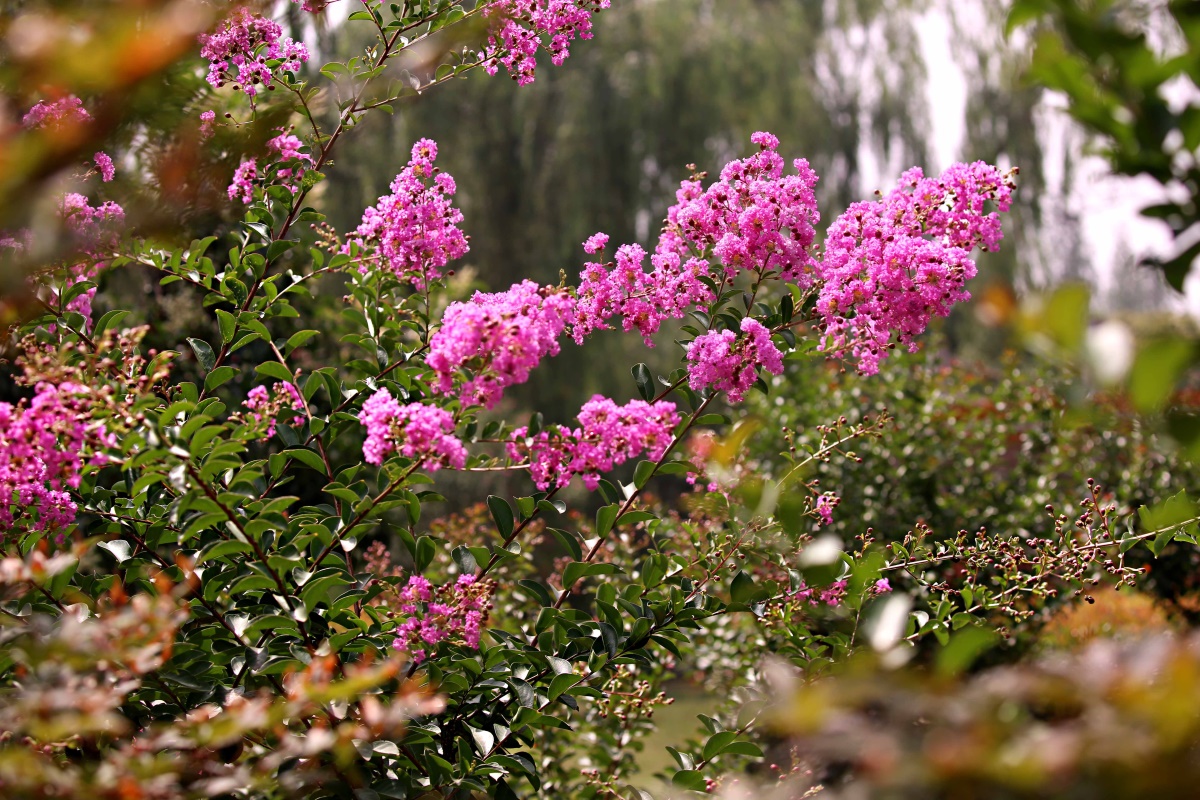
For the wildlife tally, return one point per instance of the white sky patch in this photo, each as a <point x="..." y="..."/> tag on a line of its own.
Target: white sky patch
<point x="946" y="89"/>
<point x="1106" y="206"/>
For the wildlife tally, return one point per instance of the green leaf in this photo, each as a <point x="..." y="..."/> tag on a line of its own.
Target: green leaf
<point x="540" y="592"/>
<point x="963" y="648"/>
<point x="299" y="339"/>
<point x="107" y="321"/>
<point x="119" y="548"/>
<point x="1022" y="12"/>
<point x="605" y="517"/>
<point x="219" y="377"/>
<point x="743" y="589"/>
<point x="306" y="457"/>
<point x="569" y="542"/>
<point x="690" y="779"/>
<point x="1065" y="319"/>
<point x="787" y="308"/>
<point x="204" y="354"/>
<point x="502" y="514"/>
<point x="644" y="381"/>
<point x="579" y="569"/>
<point x="744" y="749"/>
<point x="228" y="325"/>
<point x="1155" y="372"/>
<point x="1175" y="510"/>
<point x="222" y="548"/>
<point x="273" y="369"/>
<point x="317" y="590"/>
<point x="717" y="743"/>
<point x="465" y="560"/>
<point x="634" y="517"/>
<point x="279" y="247"/>
<point x="643" y="473"/>
<point x="484" y="740"/>
<point x="562" y="683"/>
<point x="424" y="554"/>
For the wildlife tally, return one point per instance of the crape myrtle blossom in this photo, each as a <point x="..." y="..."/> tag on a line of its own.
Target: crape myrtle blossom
<point x="891" y="265"/>
<point x="95" y="230"/>
<point x="208" y="121"/>
<point x="413" y="232"/>
<point x="729" y="363"/>
<point x="824" y="507"/>
<point x="641" y="299"/>
<point x="500" y="336"/>
<point x="16" y="240"/>
<point x="831" y="595"/>
<point x="68" y="109"/>
<point x="241" y="48"/>
<point x="293" y="161"/>
<point x="44" y="446"/>
<point x="522" y="26"/>
<point x="290" y="160"/>
<point x="608" y="435"/>
<point x="282" y="402"/>
<point x="455" y="612"/>
<point x="754" y="218"/>
<point x="699" y="448"/>
<point x="104" y="165"/>
<point x="242" y="186"/>
<point x="414" y="431"/>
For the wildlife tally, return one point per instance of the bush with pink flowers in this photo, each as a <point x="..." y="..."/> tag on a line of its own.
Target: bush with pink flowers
<point x="221" y="574"/>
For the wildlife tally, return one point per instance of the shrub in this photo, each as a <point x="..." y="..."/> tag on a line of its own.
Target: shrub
<point x="195" y="599"/>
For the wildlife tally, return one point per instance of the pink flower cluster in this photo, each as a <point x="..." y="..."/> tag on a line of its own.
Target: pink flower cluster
<point x="242" y="47"/>
<point x="831" y="595"/>
<point x="607" y="435"/>
<point x="700" y="447"/>
<point x="288" y="150"/>
<point x="642" y="299"/>
<point x="242" y="185"/>
<point x="891" y="265"/>
<point x="43" y="449"/>
<point x="96" y="230"/>
<point x="288" y="153"/>
<point x="456" y="612"/>
<point x="94" y="227"/>
<point x="104" y="165"/>
<point x="754" y="218"/>
<point x="282" y="401"/>
<point x="729" y="363"/>
<point x="414" y="430"/>
<point x="414" y="231"/>
<point x="524" y="24"/>
<point x="500" y="336"/>
<point x="824" y="507"/>
<point x="208" y="121"/>
<point x="68" y="109"/>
